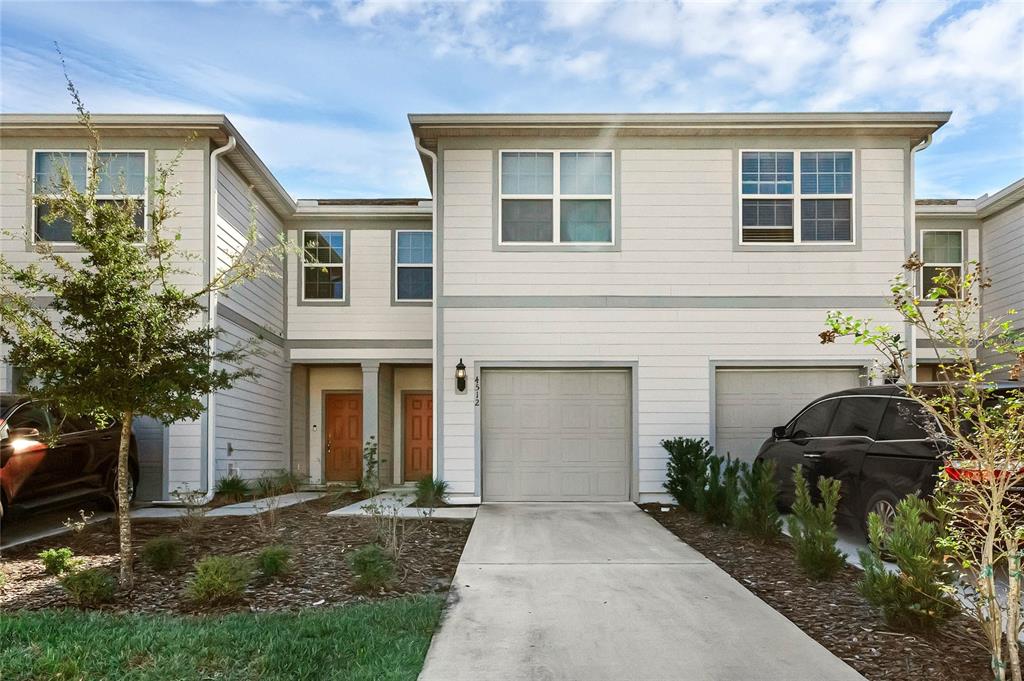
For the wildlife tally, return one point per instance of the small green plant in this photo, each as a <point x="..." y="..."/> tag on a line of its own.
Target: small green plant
<point x="720" y="498"/>
<point x="758" y="513"/>
<point x="917" y="597"/>
<point x="687" y="470"/>
<point x="58" y="561"/>
<point x="90" y="587"/>
<point x="233" y="487"/>
<point x="162" y="553"/>
<point x="430" y="493"/>
<point x="372" y="566"/>
<point x="370" y="482"/>
<point x="288" y="482"/>
<point x="268" y="486"/>
<point x="219" y="579"/>
<point x="194" y="503"/>
<point x="813" y="528"/>
<point x="273" y="561"/>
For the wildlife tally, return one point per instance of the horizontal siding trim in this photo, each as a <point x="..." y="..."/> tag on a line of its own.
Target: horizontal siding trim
<point x="732" y="302"/>
<point x="249" y="325"/>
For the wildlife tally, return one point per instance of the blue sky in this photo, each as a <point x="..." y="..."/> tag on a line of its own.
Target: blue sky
<point x="321" y="90"/>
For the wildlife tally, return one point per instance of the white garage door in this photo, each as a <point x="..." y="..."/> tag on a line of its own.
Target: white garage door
<point x="555" y="435"/>
<point x="749" y="402"/>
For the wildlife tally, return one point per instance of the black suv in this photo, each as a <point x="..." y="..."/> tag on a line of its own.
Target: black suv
<point x="48" y="458"/>
<point x="874" y="440"/>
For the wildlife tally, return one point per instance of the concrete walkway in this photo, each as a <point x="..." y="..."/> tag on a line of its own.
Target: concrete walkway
<point x="601" y="591"/>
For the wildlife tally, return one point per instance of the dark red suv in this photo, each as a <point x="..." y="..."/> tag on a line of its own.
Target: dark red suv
<point x="49" y="458"/>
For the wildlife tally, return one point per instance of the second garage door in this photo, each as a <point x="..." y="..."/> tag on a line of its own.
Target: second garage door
<point x="749" y="402"/>
<point x="555" y="435"/>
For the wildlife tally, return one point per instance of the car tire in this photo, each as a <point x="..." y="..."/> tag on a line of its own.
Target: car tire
<point x="882" y="502"/>
<point x="110" y="498"/>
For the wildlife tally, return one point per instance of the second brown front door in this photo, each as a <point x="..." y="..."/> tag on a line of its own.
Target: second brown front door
<point x="419" y="436"/>
<point x="343" y="437"/>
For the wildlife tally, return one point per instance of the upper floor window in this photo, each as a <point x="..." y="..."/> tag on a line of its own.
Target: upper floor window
<point x="414" y="266"/>
<point x="774" y="204"/>
<point x="556" y="197"/>
<point x="941" y="250"/>
<point x="121" y="174"/>
<point x="323" y="264"/>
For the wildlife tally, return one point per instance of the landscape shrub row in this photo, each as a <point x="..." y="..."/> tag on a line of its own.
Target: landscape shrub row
<point x="917" y="596"/>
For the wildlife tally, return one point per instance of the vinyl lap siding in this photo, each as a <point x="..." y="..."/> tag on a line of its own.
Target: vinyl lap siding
<point x="1002" y="239"/>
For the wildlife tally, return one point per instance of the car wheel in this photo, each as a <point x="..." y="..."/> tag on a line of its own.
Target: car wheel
<point x="884" y="504"/>
<point x="110" y="500"/>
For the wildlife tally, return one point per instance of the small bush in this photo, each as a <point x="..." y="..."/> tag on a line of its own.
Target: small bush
<point x="758" y="513"/>
<point x="219" y="579"/>
<point x="430" y="493"/>
<point x="813" y="528"/>
<point x="162" y="553"/>
<point x="372" y="566"/>
<point x="89" y="588"/>
<point x="267" y="486"/>
<point x="288" y="482"/>
<point x="916" y="598"/>
<point x="370" y="482"/>
<point x="719" y="499"/>
<point x="233" y="487"/>
<point x="687" y="470"/>
<point x="58" y="561"/>
<point x="273" y="561"/>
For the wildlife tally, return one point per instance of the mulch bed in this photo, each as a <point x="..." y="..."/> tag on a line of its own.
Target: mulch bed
<point x="319" y="574"/>
<point x="833" y="613"/>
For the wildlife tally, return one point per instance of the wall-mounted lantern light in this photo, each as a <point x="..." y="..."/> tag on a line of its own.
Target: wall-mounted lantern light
<point x="460" y="377"/>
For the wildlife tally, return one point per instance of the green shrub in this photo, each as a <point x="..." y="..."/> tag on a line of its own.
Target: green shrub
<point x="430" y="493"/>
<point x="273" y="561"/>
<point x="58" y="561"/>
<point x="268" y="486"/>
<point x="162" y="553"/>
<point x="721" y="495"/>
<point x="288" y="482"/>
<point x="234" y="488"/>
<point x="219" y="579"/>
<point x="687" y="470"/>
<point x="813" y="528"/>
<point x="90" y="587"/>
<point x="372" y="566"/>
<point x="758" y="513"/>
<point x="915" y="598"/>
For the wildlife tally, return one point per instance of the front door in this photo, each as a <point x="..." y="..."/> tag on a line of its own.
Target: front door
<point x="343" y="433"/>
<point x="419" y="436"/>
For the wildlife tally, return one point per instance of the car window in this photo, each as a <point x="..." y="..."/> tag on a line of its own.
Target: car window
<point x="30" y="416"/>
<point x="70" y="424"/>
<point x="857" y="416"/>
<point x="813" y="421"/>
<point x="904" y="420"/>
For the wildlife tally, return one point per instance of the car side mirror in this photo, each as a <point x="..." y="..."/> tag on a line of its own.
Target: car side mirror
<point x="779" y="432"/>
<point x="22" y="434"/>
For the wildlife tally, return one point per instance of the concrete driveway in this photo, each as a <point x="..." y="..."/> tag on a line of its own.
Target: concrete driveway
<point x="602" y="591"/>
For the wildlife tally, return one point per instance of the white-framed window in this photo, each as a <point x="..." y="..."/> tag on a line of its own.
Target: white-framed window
<point x="941" y="249"/>
<point x="323" y="264"/>
<point x="556" y="197"/>
<point x="122" y="176"/>
<point x="414" y="265"/>
<point x="790" y="196"/>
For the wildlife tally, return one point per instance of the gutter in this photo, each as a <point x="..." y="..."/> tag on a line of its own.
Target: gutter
<point x="912" y="340"/>
<point x="438" y="380"/>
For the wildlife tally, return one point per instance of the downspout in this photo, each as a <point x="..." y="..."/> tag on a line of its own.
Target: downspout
<point x="912" y="340"/>
<point x="437" y="379"/>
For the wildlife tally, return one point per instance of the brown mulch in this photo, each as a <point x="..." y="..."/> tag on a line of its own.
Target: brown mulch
<point x="833" y="613"/>
<point x="319" y="574"/>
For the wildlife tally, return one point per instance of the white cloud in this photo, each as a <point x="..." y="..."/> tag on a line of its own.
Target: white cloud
<point x="566" y="14"/>
<point x="586" y="65"/>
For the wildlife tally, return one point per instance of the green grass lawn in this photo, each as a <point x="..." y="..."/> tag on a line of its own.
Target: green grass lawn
<point x="383" y="641"/>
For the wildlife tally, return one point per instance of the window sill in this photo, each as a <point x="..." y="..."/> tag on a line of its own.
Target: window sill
<point x="323" y="303"/>
<point x="807" y="247"/>
<point x="412" y="303"/>
<point x="554" y="248"/>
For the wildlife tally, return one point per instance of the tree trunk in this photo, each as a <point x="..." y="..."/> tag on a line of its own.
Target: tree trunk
<point x="1013" y="612"/>
<point x="124" y="522"/>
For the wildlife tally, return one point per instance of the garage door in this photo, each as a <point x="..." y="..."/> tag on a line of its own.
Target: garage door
<point x="555" y="435"/>
<point x="750" y="402"/>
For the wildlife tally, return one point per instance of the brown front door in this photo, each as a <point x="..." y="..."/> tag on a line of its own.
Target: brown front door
<point x="419" y="436"/>
<point x="343" y="433"/>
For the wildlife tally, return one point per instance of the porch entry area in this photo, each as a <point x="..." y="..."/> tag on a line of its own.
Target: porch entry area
<point x="337" y="409"/>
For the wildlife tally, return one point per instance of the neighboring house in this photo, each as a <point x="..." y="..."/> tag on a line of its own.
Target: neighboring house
<point x="989" y="230"/>
<point x="602" y="282"/>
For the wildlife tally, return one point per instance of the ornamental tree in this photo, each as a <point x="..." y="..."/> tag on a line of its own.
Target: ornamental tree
<point x="116" y="337"/>
<point x="980" y="424"/>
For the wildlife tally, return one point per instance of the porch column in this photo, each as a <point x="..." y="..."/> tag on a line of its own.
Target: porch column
<point x="370" y="381"/>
